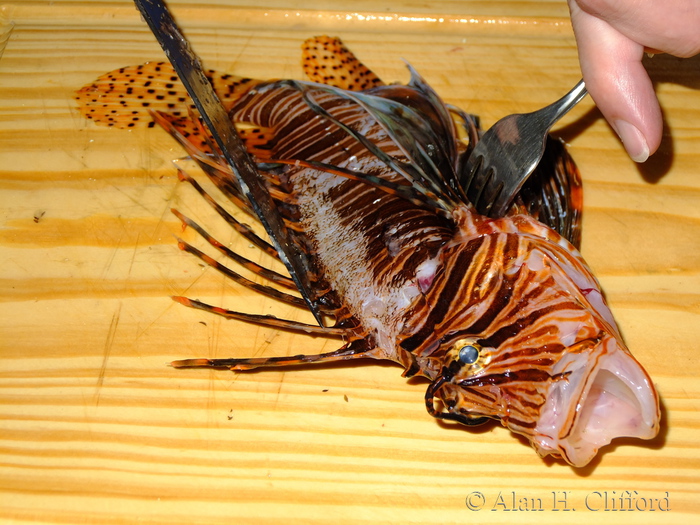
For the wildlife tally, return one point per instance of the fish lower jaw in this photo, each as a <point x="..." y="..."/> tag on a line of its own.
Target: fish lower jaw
<point x="616" y="399"/>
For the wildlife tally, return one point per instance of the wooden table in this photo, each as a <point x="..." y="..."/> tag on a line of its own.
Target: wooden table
<point x="96" y="428"/>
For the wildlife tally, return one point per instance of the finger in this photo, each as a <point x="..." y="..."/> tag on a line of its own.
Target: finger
<point x="618" y="83"/>
<point x="670" y="26"/>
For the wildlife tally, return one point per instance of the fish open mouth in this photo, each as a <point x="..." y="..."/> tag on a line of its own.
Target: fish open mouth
<point x="615" y="399"/>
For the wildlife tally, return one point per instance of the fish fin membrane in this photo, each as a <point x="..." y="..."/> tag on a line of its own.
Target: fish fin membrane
<point x="326" y="60"/>
<point x="124" y="98"/>
<point x="553" y="194"/>
<point x="257" y="140"/>
<point x="197" y="136"/>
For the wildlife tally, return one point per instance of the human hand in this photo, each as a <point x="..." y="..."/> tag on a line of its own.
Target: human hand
<point x="612" y="37"/>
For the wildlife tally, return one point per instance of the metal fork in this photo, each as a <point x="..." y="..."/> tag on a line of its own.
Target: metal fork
<point x="509" y="152"/>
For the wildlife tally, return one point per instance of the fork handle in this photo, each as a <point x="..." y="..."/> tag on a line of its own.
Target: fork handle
<point x="562" y="106"/>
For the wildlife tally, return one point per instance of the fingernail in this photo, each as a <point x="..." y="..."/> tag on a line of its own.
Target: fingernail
<point x="633" y="140"/>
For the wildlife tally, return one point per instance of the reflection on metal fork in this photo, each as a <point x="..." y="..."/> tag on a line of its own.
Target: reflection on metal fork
<point x="509" y="152"/>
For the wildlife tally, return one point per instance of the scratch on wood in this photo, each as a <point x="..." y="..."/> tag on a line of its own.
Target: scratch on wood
<point x="108" y="348"/>
<point x="279" y="390"/>
<point x="5" y="32"/>
<point x="133" y="254"/>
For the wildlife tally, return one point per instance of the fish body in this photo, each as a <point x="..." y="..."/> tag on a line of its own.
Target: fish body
<point x="502" y="316"/>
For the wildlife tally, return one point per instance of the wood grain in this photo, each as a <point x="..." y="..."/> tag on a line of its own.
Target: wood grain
<point x="94" y="427"/>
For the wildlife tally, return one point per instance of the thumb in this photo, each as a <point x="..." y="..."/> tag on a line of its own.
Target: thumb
<point x="612" y="68"/>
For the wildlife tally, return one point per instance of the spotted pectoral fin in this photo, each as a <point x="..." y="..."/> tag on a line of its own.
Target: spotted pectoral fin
<point x="326" y="60"/>
<point x="123" y="98"/>
<point x="187" y="129"/>
<point x="257" y="140"/>
<point x="553" y="194"/>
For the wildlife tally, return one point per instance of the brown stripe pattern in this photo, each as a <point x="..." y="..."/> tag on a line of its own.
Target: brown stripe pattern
<point x="364" y="241"/>
<point x="503" y="316"/>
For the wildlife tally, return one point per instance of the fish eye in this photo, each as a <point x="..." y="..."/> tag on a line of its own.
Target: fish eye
<point x="468" y="354"/>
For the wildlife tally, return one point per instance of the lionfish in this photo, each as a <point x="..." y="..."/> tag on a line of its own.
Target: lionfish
<point x="502" y="316"/>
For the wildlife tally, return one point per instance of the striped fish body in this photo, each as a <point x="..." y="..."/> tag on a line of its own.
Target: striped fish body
<point x="367" y="245"/>
<point x="503" y="316"/>
<point x="419" y="286"/>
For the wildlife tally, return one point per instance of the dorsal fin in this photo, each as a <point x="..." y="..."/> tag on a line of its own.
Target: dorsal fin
<point x="327" y="61"/>
<point x="553" y="193"/>
<point x="124" y="97"/>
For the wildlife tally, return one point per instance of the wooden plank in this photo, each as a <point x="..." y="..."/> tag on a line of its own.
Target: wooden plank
<point x="95" y="427"/>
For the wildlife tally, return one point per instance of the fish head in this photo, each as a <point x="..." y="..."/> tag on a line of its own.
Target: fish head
<point x="544" y="356"/>
<point x="568" y="401"/>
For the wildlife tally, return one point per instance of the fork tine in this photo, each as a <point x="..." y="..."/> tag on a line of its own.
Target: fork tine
<point x="494" y="200"/>
<point x="468" y="173"/>
<point x="507" y="154"/>
<point x="480" y="183"/>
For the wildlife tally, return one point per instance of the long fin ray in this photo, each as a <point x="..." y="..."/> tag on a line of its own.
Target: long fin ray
<point x="406" y="192"/>
<point x="243" y="229"/>
<point x="243" y="281"/>
<point x="410" y="172"/>
<point x="352" y="350"/>
<point x="265" y="320"/>
<point x="251" y="266"/>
